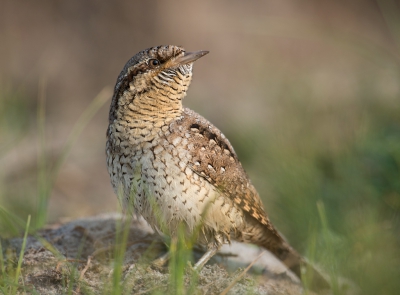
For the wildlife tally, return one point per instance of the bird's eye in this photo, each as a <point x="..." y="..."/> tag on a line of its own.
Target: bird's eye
<point x="153" y="62"/>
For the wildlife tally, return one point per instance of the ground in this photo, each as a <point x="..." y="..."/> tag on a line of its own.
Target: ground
<point x="79" y="257"/>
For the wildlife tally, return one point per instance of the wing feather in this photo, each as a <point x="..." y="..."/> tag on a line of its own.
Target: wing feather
<point x="214" y="159"/>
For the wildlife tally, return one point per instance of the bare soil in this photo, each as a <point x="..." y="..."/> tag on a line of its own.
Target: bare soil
<point x="77" y="256"/>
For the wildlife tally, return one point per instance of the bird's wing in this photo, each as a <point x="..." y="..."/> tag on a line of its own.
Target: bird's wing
<point x="214" y="159"/>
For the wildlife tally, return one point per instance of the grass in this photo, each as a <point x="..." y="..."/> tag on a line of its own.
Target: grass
<point x="332" y="270"/>
<point x="21" y="256"/>
<point x="10" y="223"/>
<point x="10" y="280"/>
<point x="121" y="241"/>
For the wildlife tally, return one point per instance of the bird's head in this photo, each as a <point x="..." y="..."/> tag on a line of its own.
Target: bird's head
<point x="157" y="76"/>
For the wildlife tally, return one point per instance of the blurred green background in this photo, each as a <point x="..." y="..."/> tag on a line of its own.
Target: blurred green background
<point x="307" y="91"/>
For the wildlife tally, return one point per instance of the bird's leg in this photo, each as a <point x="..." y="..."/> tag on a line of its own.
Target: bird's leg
<point x="207" y="256"/>
<point x="161" y="261"/>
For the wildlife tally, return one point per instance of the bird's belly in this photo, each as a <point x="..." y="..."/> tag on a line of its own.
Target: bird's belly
<point x="159" y="184"/>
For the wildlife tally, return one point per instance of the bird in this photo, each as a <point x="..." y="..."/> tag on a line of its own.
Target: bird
<point x="174" y="168"/>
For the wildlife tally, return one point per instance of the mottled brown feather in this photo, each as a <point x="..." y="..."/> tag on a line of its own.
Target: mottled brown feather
<point x="214" y="158"/>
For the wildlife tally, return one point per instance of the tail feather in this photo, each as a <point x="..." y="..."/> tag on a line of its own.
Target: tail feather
<point x="300" y="267"/>
<point x="269" y="238"/>
<point x="266" y="236"/>
<point x="297" y="264"/>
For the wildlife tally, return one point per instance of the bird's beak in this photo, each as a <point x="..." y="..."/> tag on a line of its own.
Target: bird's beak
<point x="189" y="57"/>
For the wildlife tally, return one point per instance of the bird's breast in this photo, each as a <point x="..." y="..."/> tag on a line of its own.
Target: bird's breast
<point x="155" y="179"/>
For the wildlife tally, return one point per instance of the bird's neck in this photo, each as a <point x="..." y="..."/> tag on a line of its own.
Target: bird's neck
<point x="140" y="118"/>
<point x="146" y="106"/>
<point x="150" y="107"/>
<point x="153" y="99"/>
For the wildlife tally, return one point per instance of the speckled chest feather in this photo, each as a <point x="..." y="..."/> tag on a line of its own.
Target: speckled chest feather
<point x="160" y="177"/>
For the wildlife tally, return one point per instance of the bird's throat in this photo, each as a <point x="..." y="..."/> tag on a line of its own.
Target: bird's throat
<point x="150" y="107"/>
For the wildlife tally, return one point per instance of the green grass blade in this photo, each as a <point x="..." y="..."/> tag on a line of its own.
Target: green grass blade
<point x="328" y="242"/>
<point x="21" y="255"/>
<point x="12" y="222"/>
<point x="41" y="214"/>
<point x="121" y="241"/>
<point x="2" y="265"/>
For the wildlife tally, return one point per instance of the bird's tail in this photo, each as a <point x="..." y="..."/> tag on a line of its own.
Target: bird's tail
<point x="308" y="273"/>
<point x="269" y="238"/>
